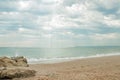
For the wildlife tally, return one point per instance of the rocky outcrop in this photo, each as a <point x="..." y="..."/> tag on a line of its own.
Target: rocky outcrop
<point x="20" y="61"/>
<point x="14" y="61"/>
<point x="9" y="68"/>
<point x="7" y="62"/>
<point x="16" y="73"/>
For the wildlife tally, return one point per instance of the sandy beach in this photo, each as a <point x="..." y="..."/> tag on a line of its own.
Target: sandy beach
<point x="102" y="68"/>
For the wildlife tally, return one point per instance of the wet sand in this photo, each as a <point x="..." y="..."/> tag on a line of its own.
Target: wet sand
<point x="102" y="68"/>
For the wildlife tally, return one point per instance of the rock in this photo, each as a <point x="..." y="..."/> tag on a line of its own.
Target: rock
<point x="20" y="61"/>
<point x="14" y="61"/>
<point x="10" y="68"/>
<point x="5" y="61"/>
<point x="16" y="73"/>
<point x="2" y="68"/>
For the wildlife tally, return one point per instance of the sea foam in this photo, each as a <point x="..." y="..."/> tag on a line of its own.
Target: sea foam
<point x="63" y="59"/>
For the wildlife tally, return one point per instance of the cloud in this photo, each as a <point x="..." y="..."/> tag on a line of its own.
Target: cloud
<point x="112" y="4"/>
<point x="70" y="22"/>
<point x="102" y="37"/>
<point x="112" y="21"/>
<point x="24" y="5"/>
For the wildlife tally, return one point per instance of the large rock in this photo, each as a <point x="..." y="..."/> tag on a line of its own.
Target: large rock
<point x="20" y="61"/>
<point x="5" y="61"/>
<point x="9" y="68"/>
<point x="14" y="61"/>
<point x="6" y="74"/>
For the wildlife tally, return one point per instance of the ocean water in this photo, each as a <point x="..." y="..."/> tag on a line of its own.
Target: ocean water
<point x="42" y="55"/>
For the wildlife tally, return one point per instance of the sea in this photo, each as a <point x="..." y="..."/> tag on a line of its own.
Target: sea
<point x="53" y="55"/>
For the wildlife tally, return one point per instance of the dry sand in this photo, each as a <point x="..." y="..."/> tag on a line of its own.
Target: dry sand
<point x="102" y="68"/>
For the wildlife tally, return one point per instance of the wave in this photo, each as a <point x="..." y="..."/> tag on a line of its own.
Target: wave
<point x="62" y="59"/>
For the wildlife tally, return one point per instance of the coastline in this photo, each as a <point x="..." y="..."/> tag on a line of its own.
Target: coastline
<point x="97" y="68"/>
<point x="65" y="59"/>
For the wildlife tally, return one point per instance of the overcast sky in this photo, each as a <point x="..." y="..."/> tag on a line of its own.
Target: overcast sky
<point x="59" y="23"/>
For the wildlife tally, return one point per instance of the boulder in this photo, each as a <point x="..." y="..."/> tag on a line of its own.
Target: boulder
<point x="6" y="74"/>
<point x="14" y="61"/>
<point x="14" y="67"/>
<point x="20" y="61"/>
<point x="5" y="61"/>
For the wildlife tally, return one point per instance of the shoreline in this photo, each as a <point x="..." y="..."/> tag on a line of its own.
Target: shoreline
<point x="99" y="68"/>
<point x="66" y="59"/>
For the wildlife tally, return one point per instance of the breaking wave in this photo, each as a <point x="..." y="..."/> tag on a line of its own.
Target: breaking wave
<point x="62" y="59"/>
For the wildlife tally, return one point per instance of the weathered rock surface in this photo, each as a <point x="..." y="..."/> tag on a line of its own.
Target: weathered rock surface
<point x="14" y="61"/>
<point x="20" y="61"/>
<point x="6" y="74"/>
<point x="14" y="67"/>
<point x="5" y="61"/>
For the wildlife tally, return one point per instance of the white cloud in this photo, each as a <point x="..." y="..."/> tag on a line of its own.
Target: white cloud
<point x="76" y="8"/>
<point x="24" y="30"/>
<point x="24" y="5"/>
<point x="111" y="21"/>
<point x="103" y="37"/>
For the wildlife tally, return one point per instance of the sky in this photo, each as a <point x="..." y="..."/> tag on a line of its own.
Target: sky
<point x="59" y="23"/>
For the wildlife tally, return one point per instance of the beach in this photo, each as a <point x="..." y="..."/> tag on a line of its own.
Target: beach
<point x="99" y="68"/>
